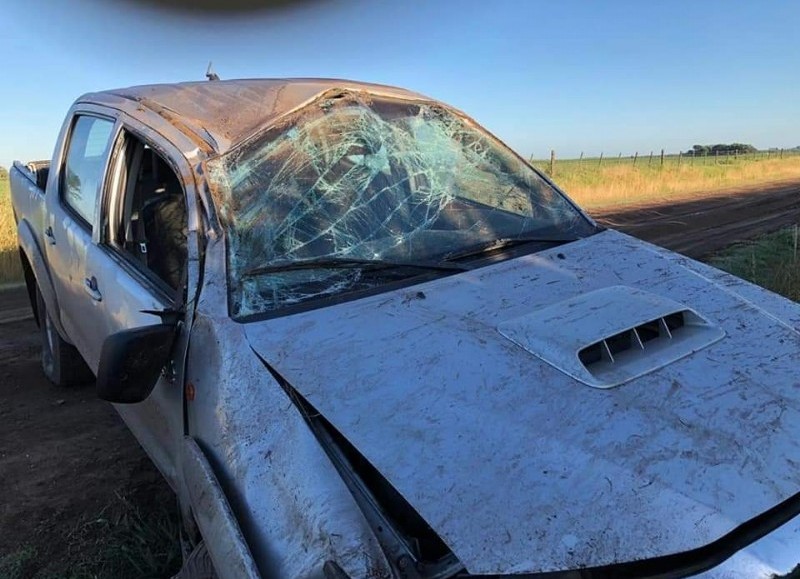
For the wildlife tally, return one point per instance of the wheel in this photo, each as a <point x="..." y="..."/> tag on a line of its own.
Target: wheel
<point x="61" y="362"/>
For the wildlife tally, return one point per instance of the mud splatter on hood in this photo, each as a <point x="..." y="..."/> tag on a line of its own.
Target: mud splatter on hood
<point x="518" y="466"/>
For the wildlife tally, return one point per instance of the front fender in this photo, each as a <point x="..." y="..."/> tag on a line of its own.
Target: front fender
<point x="33" y="253"/>
<point x="223" y="537"/>
<point x="292" y="505"/>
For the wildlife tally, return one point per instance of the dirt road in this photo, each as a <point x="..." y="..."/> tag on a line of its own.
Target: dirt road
<point x="64" y="454"/>
<point x="698" y="228"/>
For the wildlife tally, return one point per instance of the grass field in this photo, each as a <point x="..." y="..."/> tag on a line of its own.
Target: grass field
<point x="10" y="268"/>
<point x="771" y="261"/>
<point x="123" y="541"/>
<point x="615" y="182"/>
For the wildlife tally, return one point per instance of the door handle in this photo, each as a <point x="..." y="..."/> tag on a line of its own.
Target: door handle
<point x="51" y="239"/>
<point x="90" y="285"/>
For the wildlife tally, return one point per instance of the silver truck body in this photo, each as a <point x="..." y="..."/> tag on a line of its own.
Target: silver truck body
<point x="493" y="412"/>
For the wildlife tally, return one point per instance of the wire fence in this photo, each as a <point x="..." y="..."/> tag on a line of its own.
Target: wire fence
<point x="661" y="159"/>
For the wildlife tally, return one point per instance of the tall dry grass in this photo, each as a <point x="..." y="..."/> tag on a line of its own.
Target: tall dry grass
<point x="615" y="183"/>
<point x="10" y="268"/>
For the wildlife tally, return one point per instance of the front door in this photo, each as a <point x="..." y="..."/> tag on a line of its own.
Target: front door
<point x="139" y="266"/>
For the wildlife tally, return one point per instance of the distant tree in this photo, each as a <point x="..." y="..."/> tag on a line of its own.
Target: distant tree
<point x="698" y="150"/>
<point x="721" y="149"/>
<point x="740" y="148"/>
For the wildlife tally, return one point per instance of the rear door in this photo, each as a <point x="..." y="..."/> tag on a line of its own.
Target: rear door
<point x="72" y="221"/>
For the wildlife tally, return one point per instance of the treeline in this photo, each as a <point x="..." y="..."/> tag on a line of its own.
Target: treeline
<point x="721" y="149"/>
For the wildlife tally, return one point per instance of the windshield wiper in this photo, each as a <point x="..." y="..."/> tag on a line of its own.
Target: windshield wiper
<point x="352" y="262"/>
<point x="504" y="243"/>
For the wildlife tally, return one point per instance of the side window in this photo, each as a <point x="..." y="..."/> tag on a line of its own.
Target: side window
<point x="83" y="168"/>
<point x="150" y="225"/>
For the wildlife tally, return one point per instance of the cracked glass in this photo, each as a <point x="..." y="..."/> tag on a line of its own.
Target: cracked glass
<point x="357" y="176"/>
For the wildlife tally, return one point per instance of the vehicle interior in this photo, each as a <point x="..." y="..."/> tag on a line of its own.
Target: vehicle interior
<point x="151" y="225"/>
<point x="40" y="171"/>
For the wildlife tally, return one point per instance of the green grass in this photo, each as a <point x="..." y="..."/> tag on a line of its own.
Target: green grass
<point x="123" y="541"/>
<point x="14" y="566"/>
<point x="613" y="182"/>
<point x="771" y="261"/>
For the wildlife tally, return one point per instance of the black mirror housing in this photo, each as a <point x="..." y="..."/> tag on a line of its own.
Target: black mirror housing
<point x="131" y="362"/>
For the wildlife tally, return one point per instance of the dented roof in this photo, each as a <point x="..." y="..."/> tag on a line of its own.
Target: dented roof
<point x="226" y="112"/>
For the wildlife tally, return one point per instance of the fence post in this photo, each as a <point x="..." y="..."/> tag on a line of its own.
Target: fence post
<point x="601" y="159"/>
<point x="781" y="154"/>
<point x="650" y="160"/>
<point x="580" y="161"/>
<point x="635" y="156"/>
<point x="552" y="162"/>
<point x="620" y="157"/>
<point x="662" y="158"/>
<point x="680" y="156"/>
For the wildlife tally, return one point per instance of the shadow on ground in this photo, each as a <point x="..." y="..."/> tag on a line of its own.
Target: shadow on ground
<point x="80" y="498"/>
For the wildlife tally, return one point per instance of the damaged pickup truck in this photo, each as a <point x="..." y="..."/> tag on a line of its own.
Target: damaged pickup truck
<point x="361" y="337"/>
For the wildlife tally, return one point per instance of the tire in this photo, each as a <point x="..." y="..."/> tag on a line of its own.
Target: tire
<point x="61" y="362"/>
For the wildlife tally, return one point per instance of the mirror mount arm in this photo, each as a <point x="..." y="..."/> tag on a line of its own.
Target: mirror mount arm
<point x="169" y="316"/>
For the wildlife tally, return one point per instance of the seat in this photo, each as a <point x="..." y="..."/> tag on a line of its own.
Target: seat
<point x="164" y="221"/>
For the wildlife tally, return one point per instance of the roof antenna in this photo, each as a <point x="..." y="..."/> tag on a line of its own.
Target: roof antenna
<point x="210" y="74"/>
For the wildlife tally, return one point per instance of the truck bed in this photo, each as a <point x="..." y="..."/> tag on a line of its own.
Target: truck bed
<point x="28" y="183"/>
<point x="39" y="171"/>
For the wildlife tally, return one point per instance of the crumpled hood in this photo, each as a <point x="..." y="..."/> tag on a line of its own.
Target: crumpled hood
<point x="519" y="466"/>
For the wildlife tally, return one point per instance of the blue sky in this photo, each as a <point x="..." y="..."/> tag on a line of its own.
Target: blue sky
<point x="572" y="76"/>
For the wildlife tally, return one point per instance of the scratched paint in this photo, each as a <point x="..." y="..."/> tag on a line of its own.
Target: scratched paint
<point x="361" y="177"/>
<point x="553" y="473"/>
<point x="516" y="465"/>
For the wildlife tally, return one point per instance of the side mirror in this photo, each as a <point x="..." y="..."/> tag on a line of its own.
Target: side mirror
<point x="131" y="362"/>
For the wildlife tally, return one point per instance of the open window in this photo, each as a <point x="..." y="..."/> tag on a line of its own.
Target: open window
<point x="147" y="218"/>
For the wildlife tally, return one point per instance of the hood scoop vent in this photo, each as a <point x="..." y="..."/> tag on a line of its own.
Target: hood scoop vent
<point x="610" y="336"/>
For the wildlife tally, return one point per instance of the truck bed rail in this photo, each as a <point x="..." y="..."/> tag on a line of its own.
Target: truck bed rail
<point x="36" y="171"/>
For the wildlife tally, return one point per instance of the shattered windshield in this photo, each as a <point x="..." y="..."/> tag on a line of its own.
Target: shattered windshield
<point x="356" y="177"/>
